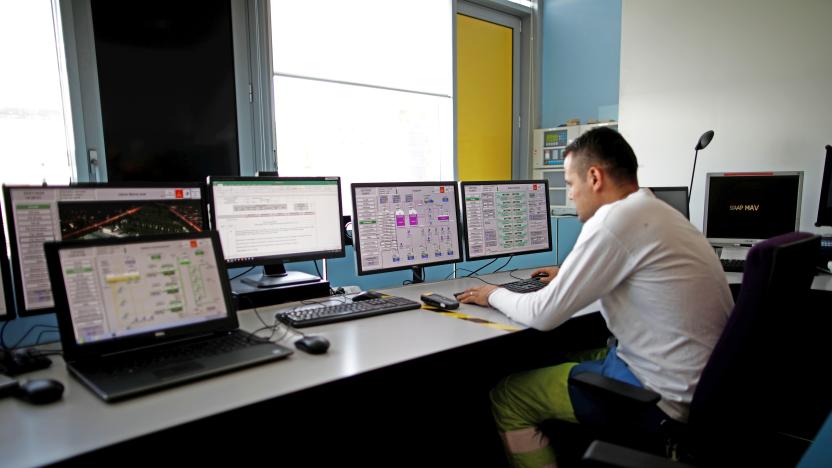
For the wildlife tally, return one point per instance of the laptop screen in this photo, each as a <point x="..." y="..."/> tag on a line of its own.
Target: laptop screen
<point x="140" y="287"/>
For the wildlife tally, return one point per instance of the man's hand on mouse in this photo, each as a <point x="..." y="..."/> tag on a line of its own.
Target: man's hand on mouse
<point x="478" y="295"/>
<point x="547" y="274"/>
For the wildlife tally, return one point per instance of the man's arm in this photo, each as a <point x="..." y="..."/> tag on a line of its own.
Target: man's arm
<point x="597" y="264"/>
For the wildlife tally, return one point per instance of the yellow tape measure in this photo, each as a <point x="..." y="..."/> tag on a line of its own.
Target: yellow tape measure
<point x="471" y="318"/>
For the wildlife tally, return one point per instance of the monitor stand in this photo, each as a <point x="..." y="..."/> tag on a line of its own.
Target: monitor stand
<point x="418" y="274"/>
<point x="275" y="276"/>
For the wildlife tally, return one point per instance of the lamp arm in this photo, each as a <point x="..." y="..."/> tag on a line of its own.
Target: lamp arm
<point x="692" y="172"/>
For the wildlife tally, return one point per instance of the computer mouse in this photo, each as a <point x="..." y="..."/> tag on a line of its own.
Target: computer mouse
<point x="540" y="275"/>
<point x="40" y="391"/>
<point x="312" y="344"/>
<point x="366" y="295"/>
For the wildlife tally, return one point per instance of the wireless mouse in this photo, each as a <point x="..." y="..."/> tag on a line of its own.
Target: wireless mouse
<point x="312" y="344"/>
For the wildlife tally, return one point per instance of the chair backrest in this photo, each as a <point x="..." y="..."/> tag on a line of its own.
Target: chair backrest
<point x="739" y="387"/>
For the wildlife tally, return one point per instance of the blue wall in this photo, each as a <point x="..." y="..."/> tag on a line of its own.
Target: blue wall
<point x="581" y="58"/>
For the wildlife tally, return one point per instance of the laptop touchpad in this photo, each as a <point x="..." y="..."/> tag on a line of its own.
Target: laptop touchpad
<point x="180" y="368"/>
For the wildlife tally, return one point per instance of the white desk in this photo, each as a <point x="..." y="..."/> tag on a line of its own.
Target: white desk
<point x="36" y="435"/>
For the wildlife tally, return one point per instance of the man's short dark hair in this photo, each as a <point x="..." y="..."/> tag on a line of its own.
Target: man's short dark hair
<point x="605" y="147"/>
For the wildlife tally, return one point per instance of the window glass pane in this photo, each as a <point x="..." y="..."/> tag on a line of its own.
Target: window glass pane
<point x="33" y="139"/>
<point x="361" y="134"/>
<point x="396" y="44"/>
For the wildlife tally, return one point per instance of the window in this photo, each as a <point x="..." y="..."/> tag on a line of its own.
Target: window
<point x="364" y="91"/>
<point x="33" y="135"/>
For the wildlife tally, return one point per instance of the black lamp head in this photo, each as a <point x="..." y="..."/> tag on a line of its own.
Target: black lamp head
<point x="704" y="140"/>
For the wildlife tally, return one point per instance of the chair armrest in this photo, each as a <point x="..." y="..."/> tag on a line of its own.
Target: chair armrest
<point x="604" y="454"/>
<point x="599" y="383"/>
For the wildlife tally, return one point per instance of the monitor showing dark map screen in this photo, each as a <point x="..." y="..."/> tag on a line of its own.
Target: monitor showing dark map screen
<point x="746" y="207"/>
<point x="94" y="211"/>
<point x="100" y="219"/>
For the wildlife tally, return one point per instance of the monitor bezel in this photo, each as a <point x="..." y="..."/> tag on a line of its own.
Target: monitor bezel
<point x="20" y="300"/>
<point x="357" y="229"/>
<point x="278" y="259"/>
<point x="677" y="188"/>
<point x="72" y="350"/>
<point x="5" y="270"/>
<point x="463" y="185"/>
<point x="824" y="207"/>
<point x="747" y="241"/>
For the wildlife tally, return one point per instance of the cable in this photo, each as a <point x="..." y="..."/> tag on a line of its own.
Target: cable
<point x="317" y="269"/>
<point x="40" y="335"/>
<point x="504" y="264"/>
<point x="480" y="268"/>
<point x="476" y="277"/>
<point x="29" y="331"/>
<point x="241" y="274"/>
<point x="511" y="273"/>
<point x="2" y="334"/>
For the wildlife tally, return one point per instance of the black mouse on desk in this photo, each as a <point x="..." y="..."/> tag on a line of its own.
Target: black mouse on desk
<point x="40" y="391"/>
<point x="540" y="275"/>
<point x="312" y="344"/>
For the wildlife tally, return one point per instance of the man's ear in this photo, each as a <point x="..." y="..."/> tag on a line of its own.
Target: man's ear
<point x="595" y="178"/>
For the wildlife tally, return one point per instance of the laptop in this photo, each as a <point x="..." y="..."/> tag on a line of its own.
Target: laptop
<point x="138" y="315"/>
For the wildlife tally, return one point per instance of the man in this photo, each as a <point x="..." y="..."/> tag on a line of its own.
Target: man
<point x="663" y="295"/>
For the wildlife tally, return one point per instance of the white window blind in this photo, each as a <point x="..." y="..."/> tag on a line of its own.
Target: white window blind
<point x="33" y="135"/>
<point x="364" y="89"/>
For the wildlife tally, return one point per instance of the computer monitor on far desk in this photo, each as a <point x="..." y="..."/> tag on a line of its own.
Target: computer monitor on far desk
<point x="677" y="197"/>
<point x="39" y="214"/>
<point x="405" y="225"/>
<point x="504" y="218"/>
<point x="744" y="208"/>
<point x="268" y="220"/>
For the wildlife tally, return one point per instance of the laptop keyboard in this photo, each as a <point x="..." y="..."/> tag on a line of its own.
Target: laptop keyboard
<point x="524" y="286"/>
<point x="213" y="346"/>
<point x="348" y="311"/>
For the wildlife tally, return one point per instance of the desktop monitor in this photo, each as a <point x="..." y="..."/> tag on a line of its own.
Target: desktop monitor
<point x="677" y="197"/>
<point x="6" y="294"/>
<point x="405" y="225"/>
<point x="825" y="202"/>
<point x="743" y="208"/>
<point x="38" y="214"/>
<point x="509" y="217"/>
<point x="268" y="220"/>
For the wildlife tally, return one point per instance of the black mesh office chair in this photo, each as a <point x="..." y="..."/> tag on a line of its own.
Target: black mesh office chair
<point x="744" y="388"/>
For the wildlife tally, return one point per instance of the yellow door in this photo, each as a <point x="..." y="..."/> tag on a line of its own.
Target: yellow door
<point x="484" y="92"/>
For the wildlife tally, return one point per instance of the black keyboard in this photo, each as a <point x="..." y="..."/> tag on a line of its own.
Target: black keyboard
<point x="349" y="311"/>
<point x="733" y="264"/>
<point x="524" y="286"/>
<point x="215" y="345"/>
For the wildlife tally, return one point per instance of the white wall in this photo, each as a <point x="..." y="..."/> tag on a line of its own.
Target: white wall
<point x="757" y="72"/>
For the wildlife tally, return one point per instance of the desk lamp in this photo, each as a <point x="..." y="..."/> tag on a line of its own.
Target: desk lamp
<point x="703" y="142"/>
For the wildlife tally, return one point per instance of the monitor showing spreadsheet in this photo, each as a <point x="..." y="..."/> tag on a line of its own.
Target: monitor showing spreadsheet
<point x="268" y="220"/>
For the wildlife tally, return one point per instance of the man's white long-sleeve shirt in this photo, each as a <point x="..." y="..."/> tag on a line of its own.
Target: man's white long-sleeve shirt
<point x="662" y="289"/>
